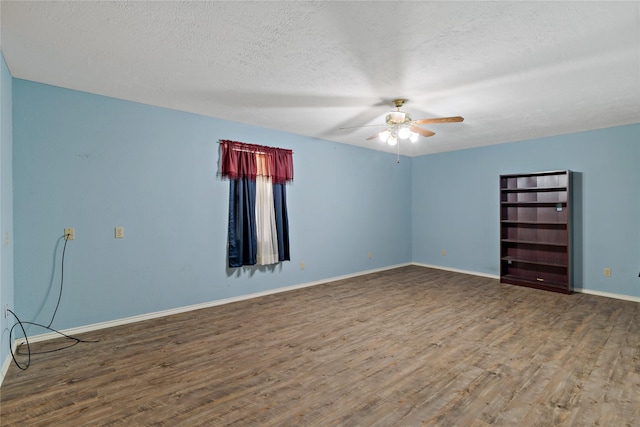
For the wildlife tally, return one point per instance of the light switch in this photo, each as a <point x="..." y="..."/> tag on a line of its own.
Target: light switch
<point x="119" y="232"/>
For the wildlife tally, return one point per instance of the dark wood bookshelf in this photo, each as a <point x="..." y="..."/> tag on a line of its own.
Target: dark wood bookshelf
<point x="535" y="230"/>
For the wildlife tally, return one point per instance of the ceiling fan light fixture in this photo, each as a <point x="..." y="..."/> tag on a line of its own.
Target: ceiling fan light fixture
<point x="393" y="140"/>
<point x="413" y="136"/>
<point x="404" y="133"/>
<point x="384" y="135"/>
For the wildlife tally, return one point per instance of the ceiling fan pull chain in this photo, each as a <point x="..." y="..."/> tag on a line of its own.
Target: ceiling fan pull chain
<point x="398" y="153"/>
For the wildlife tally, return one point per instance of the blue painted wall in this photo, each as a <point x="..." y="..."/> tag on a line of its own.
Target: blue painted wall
<point x="456" y="204"/>
<point x="94" y="163"/>
<point x="6" y="206"/>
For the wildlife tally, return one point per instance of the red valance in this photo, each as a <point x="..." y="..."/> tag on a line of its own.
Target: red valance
<point x="240" y="160"/>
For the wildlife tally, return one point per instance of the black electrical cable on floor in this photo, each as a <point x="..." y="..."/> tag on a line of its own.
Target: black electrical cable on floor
<point x="22" y="323"/>
<point x="24" y="368"/>
<point x="29" y="353"/>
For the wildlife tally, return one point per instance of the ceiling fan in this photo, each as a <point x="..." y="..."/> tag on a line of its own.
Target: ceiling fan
<point x="399" y="125"/>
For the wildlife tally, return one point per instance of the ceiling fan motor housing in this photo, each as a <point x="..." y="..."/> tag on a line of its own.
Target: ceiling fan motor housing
<point x="397" y="118"/>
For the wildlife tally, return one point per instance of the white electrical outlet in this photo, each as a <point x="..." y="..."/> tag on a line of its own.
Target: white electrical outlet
<point x="302" y="265"/>
<point x="607" y="272"/>
<point x="119" y="232"/>
<point x="69" y="234"/>
<point x="444" y="252"/>
<point x="370" y="255"/>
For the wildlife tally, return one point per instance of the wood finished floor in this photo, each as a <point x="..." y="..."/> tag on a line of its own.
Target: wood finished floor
<point x="405" y="347"/>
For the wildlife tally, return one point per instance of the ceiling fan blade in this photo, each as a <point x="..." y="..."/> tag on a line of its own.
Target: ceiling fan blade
<point x="421" y="131"/>
<point x="453" y="119"/>
<point x="374" y="136"/>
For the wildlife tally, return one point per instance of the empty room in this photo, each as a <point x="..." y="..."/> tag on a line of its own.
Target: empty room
<point x="344" y="213"/>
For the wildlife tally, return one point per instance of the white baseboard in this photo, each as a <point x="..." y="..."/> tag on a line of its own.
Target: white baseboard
<point x="169" y="312"/>
<point x="5" y="367"/>
<point x="457" y="270"/>
<point x="157" y="314"/>
<point x="7" y="361"/>
<point x="607" y="294"/>
<point x="117" y="322"/>
<point x="579" y="290"/>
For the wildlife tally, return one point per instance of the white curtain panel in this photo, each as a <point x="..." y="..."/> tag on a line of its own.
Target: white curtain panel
<point x="267" y="234"/>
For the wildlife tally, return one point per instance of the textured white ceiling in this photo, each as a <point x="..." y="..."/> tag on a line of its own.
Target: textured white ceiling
<point x="513" y="70"/>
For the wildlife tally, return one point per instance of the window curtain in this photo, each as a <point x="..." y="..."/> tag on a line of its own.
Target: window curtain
<point x="258" y="222"/>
